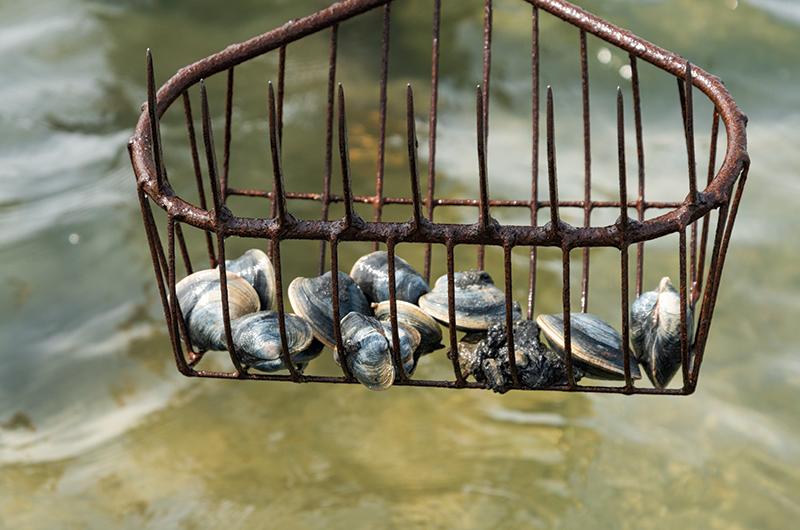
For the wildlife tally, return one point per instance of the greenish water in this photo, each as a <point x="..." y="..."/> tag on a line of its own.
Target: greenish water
<point x="98" y="430"/>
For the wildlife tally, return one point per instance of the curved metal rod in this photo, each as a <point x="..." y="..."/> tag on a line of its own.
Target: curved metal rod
<point x="716" y="193"/>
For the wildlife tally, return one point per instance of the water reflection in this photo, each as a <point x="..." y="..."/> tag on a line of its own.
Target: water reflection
<point x="96" y="427"/>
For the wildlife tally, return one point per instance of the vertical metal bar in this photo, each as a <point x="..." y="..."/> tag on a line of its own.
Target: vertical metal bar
<point x="378" y="201"/>
<point x="226" y="149"/>
<point x="155" y="132"/>
<point x="411" y="134"/>
<point x="587" y="169"/>
<point x="637" y="119"/>
<point x="684" y="304"/>
<point x="279" y="197"/>
<point x="281" y="91"/>
<point x="198" y="175"/>
<point x="337" y="318"/>
<point x="715" y="272"/>
<point x="326" y="175"/>
<point x="534" y="154"/>
<point x="689" y="125"/>
<point x="623" y="221"/>
<point x="344" y="156"/>
<point x="512" y="359"/>
<point x="555" y="223"/>
<point x="400" y="373"/>
<point x="484" y="104"/>
<point x="552" y="177"/>
<point x="432" y="119"/>
<point x="211" y="160"/>
<point x="173" y="297"/>
<point x="285" y="355"/>
<point x="451" y="314"/>
<point x="483" y="211"/>
<point x="187" y="261"/>
<point x="712" y="162"/>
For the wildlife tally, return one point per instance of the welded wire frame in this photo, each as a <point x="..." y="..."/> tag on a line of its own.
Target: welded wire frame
<point x="723" y="192"/>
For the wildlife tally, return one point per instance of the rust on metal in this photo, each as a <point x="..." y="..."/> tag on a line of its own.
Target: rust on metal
<point x="699" y="281"/>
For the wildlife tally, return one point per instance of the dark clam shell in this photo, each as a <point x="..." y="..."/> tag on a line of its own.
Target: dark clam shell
<point x="537" y="366"/>
<point x="257" y="340"/>
<point x="409" y="342"/>
<point x="478" y="302"/>
<point x="596" y="346"/>
<point x="312" y="298"/>
<point x="256" y="267"/>
<point x="411" y="315"/>
<point x="656" y="332"/>
<point x="367" y="351"/>
<point x="200" y="299"/>
<point x="371" y="273"/>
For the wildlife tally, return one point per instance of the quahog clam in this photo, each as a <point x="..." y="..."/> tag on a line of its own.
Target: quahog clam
<point x="478" y="302"/>
<point x="409" y="340"/>
<point x="596" y="346"/>
<point x="366" y="351"/>
<point x="257" y="340"/>
<point x="656" y="332"/>
<point x="371" y="273"/>
<point x="537" y="365"/>
<point x="200" y="298"/>
<point x="312" y="299"/>
<point x="256" y="267"/>
<point x="409" y="314"/>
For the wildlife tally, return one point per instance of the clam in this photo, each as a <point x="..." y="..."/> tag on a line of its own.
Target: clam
<point x="371" y="273"/>
<point x="367" y="351"/>
<point x="312" y="299"/>
<point x="411" y="315"/>
<point x="596" y="346"/>
<point x="656" y="332"/>
<point x="200" y="298"/>
<point x="537" y="365"/>
<point x="478" y="302"/>
<point x="409" y="343"/>
<point x="257" y="340"/>
<point x="256" y="267"/>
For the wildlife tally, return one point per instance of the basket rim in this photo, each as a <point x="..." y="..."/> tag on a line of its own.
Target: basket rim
<point x="714" y="195"/>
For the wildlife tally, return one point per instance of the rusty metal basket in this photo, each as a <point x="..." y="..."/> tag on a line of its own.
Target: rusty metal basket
<point x="722" y="193"/>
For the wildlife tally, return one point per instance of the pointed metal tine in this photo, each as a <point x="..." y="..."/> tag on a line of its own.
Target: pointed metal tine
<point x="344" y="155"/>
<point x="412" y="155"/>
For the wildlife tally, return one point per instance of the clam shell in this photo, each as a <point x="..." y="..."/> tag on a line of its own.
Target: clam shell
<point x="478" y="302"/>
<point x="409" y="342"/>
<point x="312" y="299"/>
<point x="257" y="340"/>
<point x="656" y="332"/>
<point x="200" y="298"/>
<point x="256" y="267"/>
<point x="411" y="315"/>
<point x="596" y="346"/>
<point x="367" y="352"/>
<point x="371" y="273"/>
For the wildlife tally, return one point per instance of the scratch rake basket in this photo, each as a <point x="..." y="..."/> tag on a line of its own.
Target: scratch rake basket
<point x="722" y="193"/>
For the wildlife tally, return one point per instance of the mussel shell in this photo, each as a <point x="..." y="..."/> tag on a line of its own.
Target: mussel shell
<point x="596" y="346"/>
<point x="409" y="342"/>
<point x="656" y="332"/>
<point x="367" y="351"/>
<point x="411" y="315"/>
<point x="257" y="340"/>
<point x="256" y="267"/>
<point x="371" y="273"/>
<point x="312" y="299"/>
<point x="478" y="302"/>
<point x="200" y="298"/>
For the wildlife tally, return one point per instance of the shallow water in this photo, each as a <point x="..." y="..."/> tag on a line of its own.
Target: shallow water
<point x="97" y="429"/>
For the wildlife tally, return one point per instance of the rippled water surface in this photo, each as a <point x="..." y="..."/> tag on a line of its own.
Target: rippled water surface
<point x="97" y="429"/>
